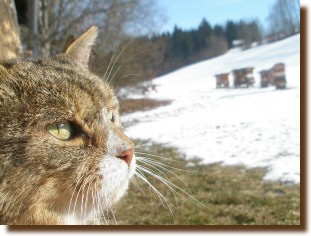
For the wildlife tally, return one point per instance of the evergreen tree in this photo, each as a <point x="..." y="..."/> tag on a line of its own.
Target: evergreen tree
<point x="232" y="33"/>
<point x="204" y="32"/>
<point x="218" y="31"/>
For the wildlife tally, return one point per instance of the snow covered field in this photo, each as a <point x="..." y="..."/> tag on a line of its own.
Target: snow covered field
<point x="254" y="127"/>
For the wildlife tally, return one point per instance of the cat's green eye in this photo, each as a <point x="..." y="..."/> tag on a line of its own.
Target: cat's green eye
<point x="61" y="130"/>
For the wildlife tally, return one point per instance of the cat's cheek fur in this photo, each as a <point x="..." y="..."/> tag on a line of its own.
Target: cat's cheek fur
<point x="116" y="176"/>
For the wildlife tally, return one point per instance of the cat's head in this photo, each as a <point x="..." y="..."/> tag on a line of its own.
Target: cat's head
<point x="64" y="156"/>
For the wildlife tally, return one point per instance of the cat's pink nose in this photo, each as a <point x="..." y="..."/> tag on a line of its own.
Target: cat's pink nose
<point x="127" y="156"/>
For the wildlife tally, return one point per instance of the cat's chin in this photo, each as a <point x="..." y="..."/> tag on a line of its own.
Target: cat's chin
<point x="116" y="178"/>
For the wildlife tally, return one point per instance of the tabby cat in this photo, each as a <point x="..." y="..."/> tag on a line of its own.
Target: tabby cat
<point x="64" y="158"/>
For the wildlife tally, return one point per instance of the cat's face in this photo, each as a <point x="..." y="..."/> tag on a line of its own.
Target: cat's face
<point x="64" y="157"/>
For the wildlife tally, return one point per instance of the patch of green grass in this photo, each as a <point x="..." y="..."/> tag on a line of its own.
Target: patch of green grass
<point x="233" y="195"/>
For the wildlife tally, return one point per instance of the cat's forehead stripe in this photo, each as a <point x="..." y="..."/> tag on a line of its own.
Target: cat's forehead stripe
<point x="100" y="92"/>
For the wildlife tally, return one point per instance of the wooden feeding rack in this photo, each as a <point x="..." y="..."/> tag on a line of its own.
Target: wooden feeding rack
<point x="222" y="80"/>
<point x="278" y="74"/>
<point x="243" y="76"/>
<point x="265" y="78"/>
<point x="274" y="76"/>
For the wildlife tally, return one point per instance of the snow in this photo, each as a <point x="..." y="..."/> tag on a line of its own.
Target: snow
<point x="255" y="127"/>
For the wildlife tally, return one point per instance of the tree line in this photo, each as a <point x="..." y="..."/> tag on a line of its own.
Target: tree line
<point x="153" y="56"/>
<point x="129" y="49"/>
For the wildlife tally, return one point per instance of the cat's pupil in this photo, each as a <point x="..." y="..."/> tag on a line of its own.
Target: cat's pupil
<point x="59" y="127"/>
<point x="112" y="117"/>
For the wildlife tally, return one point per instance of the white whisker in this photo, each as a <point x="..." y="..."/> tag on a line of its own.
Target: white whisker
<point x="73" y="192"/>
<point x="126" y="61"/>
<point x="112" y="212"/>
<point x="129" y="75"/>
<point x="163" y="199"/>
<point x="157" y="156"/>
<point x="75" y="204"/>
<point x="108" y="77"/>
<point x="155" y="167"/>
<point x="160" y="165"/>
<point x="82" y="199"/>
<point x="86" y="201"/>
<point x="137" y="184"/>
<point x="97" y="206"/>
<point x="111" y="59"/>
<point x="171" y="185"/>
<point x="100" y="207"/>
<point x="93" y="206"/>
<point x="166" y="182"/>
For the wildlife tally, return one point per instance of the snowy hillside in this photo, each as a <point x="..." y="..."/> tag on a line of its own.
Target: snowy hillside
<point x="253" y="127"/>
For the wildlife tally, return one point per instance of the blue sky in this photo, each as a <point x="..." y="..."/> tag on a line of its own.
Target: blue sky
<point x="188" y="14"/>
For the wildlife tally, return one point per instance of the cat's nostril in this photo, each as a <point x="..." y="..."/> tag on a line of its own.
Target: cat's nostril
<point x="127" y="156"/>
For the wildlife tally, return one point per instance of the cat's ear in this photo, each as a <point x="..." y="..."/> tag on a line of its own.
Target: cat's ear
<point x="70" y="39"/>
<point x="80" y="49"/>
